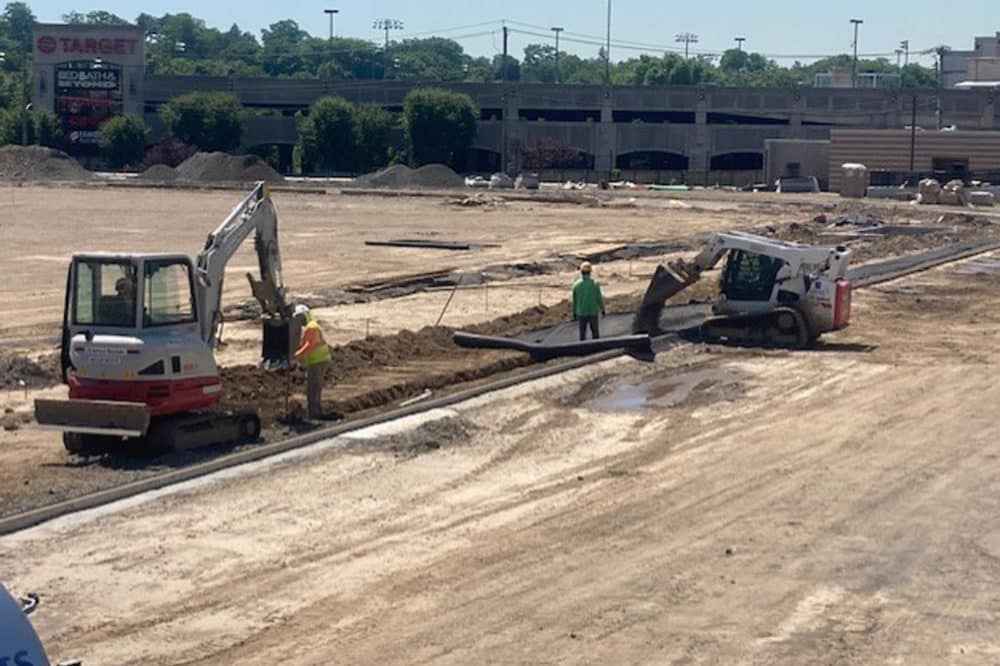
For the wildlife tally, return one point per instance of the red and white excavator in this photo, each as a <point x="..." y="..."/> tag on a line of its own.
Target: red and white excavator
<point x="138" y="336"/>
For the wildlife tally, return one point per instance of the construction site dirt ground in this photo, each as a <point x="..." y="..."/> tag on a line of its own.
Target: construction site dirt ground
<point x="720" y="506"/>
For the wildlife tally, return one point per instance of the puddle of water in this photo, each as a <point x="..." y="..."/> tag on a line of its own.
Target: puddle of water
<point x="694" y="387"/>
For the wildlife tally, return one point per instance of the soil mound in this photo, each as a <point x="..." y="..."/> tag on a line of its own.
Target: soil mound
<point x="223" y="167"/>
<point x="160" y="173"/>
<point x="17" y="368"/>
<point x="36" y="163"/>
<point x="400" y="175"/>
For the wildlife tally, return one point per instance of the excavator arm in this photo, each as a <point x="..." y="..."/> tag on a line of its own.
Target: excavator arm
<point x="254" y="214"/>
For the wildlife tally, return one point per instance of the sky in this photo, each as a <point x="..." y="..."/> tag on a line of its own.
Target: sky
<point x="804" y="29"/>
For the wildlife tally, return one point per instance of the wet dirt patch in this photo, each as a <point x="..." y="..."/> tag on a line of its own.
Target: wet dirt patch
<point x="693" y="388"/>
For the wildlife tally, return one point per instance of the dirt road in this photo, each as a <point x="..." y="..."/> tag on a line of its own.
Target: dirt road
<point x="724" y="506"/>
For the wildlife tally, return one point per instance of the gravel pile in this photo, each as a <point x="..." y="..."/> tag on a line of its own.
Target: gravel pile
<point x="160" y="173"/>
<point x="35" y="163"/>
<point x="400" y="175"/>
<point x="223" y="167"/>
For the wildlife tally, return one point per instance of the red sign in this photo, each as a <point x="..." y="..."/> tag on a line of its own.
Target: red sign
<point x="47" y="44"/>
<point x="88" y="45"/>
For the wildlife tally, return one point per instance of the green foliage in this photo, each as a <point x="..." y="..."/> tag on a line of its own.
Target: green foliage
<point x="123" y="140"/>
<point x="10" y="127"/>
<point x="328" y="135"/>
<point x="440" y="125"/>
<point x="94" y="18"/>
<point x="374" y="133"/>
<point x="210" y="121"/>
<point x="48" y="129"/>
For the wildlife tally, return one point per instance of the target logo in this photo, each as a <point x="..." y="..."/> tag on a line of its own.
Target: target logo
<point x="47" y="44"/>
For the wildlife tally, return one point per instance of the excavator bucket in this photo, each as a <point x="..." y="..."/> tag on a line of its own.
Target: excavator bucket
<point x="280" y="338"/>
<point x="666" y="282"/>
<point x="94" y="417"/>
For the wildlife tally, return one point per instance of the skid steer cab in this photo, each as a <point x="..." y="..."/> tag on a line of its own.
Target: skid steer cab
<point x="138" y="339"/>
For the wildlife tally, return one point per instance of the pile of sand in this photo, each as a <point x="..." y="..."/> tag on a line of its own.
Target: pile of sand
<point x="160" y="173"/>
<point x="223" y="167"/>
<point x="38" y="164"/>
<point x="400" y="175"/>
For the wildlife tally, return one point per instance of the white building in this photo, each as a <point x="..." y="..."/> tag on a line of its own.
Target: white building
<point x="980" y="65"/>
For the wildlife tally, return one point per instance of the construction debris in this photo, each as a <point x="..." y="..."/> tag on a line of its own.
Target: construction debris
<point x="501" y="181"/>
<point x="928" y="191"/>
<point x="982" y="198"/>
<point x="430" y="244"/>
<point x="479" y="200"/>
<point x="527" y="181"/>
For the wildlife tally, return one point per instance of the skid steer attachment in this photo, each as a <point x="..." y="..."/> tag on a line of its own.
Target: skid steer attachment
<point x="666" y="282"/>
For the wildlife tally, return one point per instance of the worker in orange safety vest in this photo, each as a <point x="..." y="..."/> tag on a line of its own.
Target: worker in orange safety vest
<point x="314" y="355"/>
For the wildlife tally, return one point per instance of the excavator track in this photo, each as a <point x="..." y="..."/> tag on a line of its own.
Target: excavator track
<point x="782" y="327"/>
<point x="185" y="431"/>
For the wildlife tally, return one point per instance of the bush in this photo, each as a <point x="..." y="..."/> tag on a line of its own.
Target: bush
<point x="13" y="123"/>
<point x="328" y="135"/>
<point x="123" y="140"/>
<point x="208" y="120"/>
<point x="440" y="125"/>
<point x="48" y="130"/>
<point x="374" y="132"/>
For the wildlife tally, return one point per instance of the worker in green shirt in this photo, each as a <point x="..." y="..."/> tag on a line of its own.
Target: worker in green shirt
<point x="588" y="302"/>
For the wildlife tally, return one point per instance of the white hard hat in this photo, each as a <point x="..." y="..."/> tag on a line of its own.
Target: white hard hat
<point x="300" y="310"/>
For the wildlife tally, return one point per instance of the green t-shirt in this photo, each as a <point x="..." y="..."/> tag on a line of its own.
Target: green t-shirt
<point x="587" y="299"/>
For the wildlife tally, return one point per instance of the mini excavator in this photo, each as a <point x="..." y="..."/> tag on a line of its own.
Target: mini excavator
<point x="138" y="339"/>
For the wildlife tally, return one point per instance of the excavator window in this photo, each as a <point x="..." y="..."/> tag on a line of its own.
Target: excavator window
<point x="169" y="297"/>
<point x="749" y="276"/>
<point x="104" y="294"/>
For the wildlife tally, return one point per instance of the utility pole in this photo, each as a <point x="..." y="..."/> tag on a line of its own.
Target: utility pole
<point x="913" y="137"/>
<point x="503" y="96"/>
<point x="739" y="43"/>
<point x="386" y="24"/>
<point x="854" y="67"/>
<point x="899" y="54"/>
<point x="940" y="50"/>
<point x="687" y="38"/>
<point x="557" y="30"/>
<point x="905" y="45"/>
<point x="607" y="50"/>
<point x="331" y="13"/>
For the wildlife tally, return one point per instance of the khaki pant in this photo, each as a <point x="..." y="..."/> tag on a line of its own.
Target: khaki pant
<point x="314" y="389"/>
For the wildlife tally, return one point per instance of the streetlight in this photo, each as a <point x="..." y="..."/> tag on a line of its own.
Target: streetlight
<point x="607" y="50"/>
<point x="387" y="24"/>
<point x="688" y="38"/>
<point x="854" y="67"/>
<point x="739" y="43"/>
<point x="331" y="13"/>
<point x="557" y="30"/>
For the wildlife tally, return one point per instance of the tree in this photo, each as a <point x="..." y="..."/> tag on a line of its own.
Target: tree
<point x="16" y="23"/>
<point x="123" y="140"/>
<point x="94" y="18"/>
<point x="440" y="125"/>
<point x="208" y="120"/>
<point x="48" y="129"/>
<point x="374" y="131"/>
<point x="328" y="136"/>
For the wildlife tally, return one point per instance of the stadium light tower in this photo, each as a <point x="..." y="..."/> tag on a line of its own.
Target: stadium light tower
<point x="387" y="24"/>
<point x="688" y="38"/>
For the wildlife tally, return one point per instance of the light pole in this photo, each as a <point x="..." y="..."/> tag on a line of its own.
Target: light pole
<point x="557" y="30"/>
<point x="739" y="43"/>
<point x="607" y="50"/>
<point x="854" y="67"/>
<point x="387" y="24"/>
<point x="331" y="13"/>
<point x="687" y="38"/>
